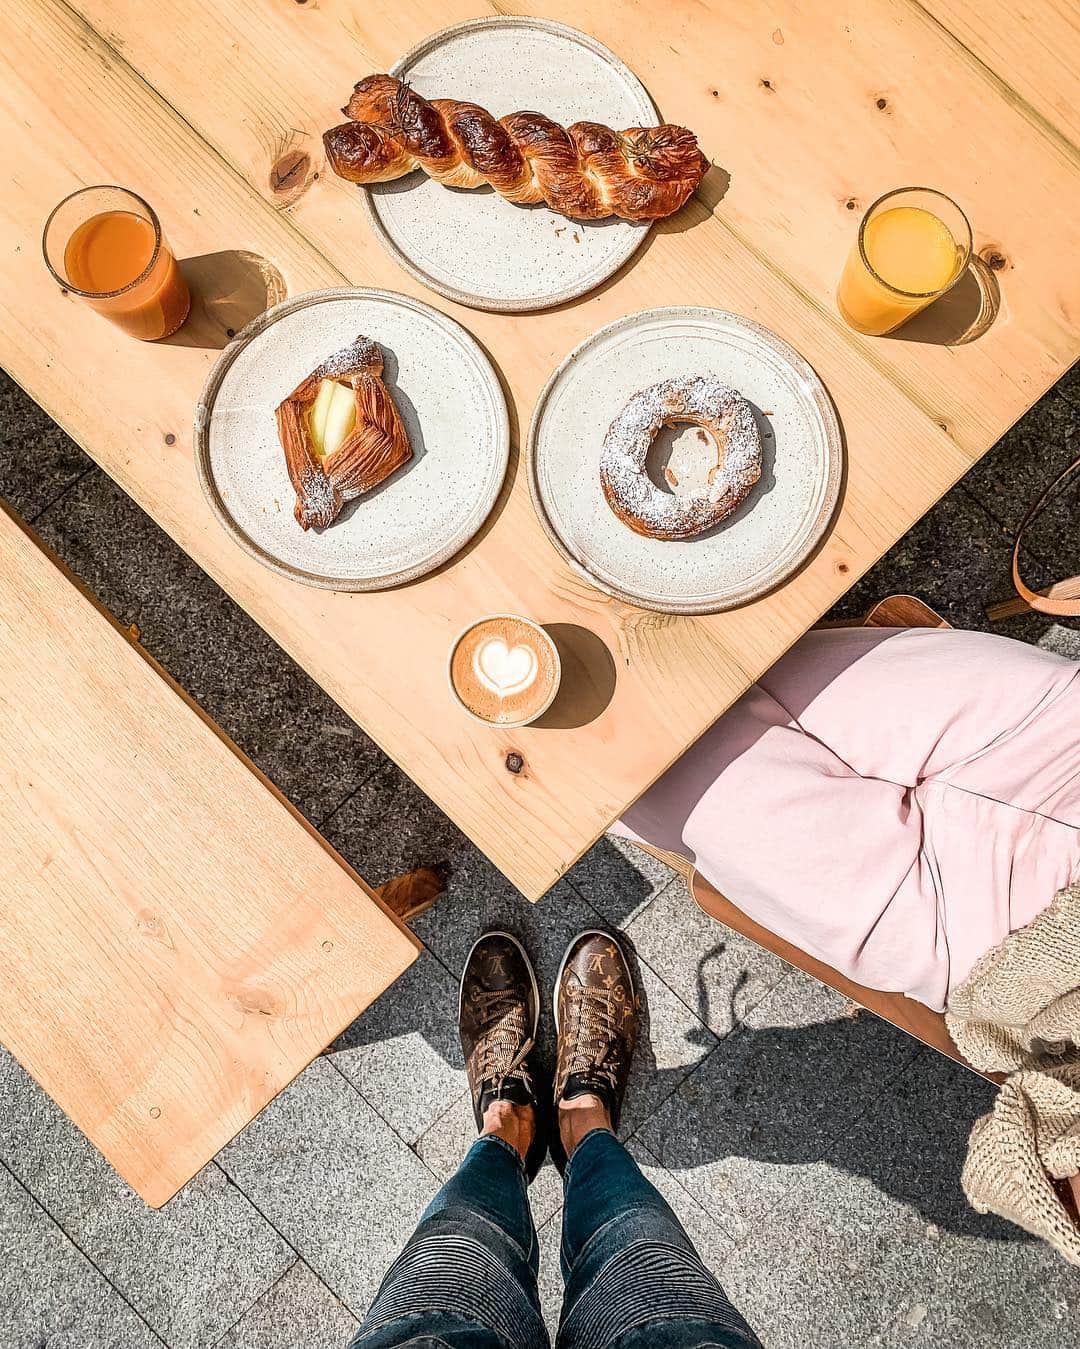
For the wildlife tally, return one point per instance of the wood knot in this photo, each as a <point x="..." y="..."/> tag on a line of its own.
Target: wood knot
<point x="994" y="259"/>
<point x="230" y="332"/>
<point x="170" y="439"/>
<point x="881" y="103"/>
<point x="515" y="762"/>
<point x="851" y="203"/>
<point x="715" y="93"/>
<point x="765" y="84"/>
<point x="290" y="174"/>
<point x="842" y="568"/>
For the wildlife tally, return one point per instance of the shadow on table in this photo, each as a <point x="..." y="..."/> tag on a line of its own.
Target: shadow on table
<point x="711" y="191"/>
<point x="962" y="315"/>
<point x="588" y="678"/>
<point x="228" y="290"/>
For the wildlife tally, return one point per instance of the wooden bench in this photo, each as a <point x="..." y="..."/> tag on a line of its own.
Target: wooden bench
<point x="177" y="942"/>
<point x="899" y="611"/>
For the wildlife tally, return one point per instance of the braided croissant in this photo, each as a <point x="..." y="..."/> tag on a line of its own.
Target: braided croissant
<point x="586" y="171"/>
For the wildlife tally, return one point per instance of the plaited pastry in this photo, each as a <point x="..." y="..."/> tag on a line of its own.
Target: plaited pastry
<point x="586" y="171"/>
<point x="341" y="433"/>
<point x="727" y="421"/>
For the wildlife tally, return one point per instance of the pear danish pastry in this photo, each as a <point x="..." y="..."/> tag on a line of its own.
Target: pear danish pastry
<point x="341" y="433"/>
<point x="587" y="171"/>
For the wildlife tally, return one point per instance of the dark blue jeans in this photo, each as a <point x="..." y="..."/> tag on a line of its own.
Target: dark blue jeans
<point x="467" y="1276"/>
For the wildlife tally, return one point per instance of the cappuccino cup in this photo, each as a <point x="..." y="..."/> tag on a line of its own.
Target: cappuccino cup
<point x="504" y="670"/>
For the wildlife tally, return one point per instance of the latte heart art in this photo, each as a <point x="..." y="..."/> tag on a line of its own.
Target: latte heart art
<point x="502" y="669"/>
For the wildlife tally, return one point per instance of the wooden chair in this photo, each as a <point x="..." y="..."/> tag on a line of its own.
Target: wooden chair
<point x="899" y="611"/>
<point x="177" y="941"/>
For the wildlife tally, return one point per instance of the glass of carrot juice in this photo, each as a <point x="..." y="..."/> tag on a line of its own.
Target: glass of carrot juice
<point x="914" y="243"/>
<point x="106" y="244"/>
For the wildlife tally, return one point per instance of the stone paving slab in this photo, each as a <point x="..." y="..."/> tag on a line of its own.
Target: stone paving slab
<point x="403" y="1053"/>
<point x="775" y="1095"/>
<point x="333" y="1178"/>
<point x="299" y="1312"/>
<point x="190" y="1268"/>
<point x="388" y="825"/>
<point x="719" y="974"/>
<point x="1025" y="461"/>
<point x="479" y="897"/>
<point x="956" y="559"/>
<point x="618" y="880"/>
<point x="51" y="1296"/>
<point x="280" y="717"/>
<point x="38" y="461"/>
<point x="875" y="1245"/>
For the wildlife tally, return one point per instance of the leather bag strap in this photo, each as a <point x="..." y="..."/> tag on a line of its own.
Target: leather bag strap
<point x="1063" y="599"/>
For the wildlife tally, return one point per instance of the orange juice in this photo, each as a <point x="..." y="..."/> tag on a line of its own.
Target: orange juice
<point x="906" y="256"/>
<point x="108" y="251"/>
<point x="105" y="245"/>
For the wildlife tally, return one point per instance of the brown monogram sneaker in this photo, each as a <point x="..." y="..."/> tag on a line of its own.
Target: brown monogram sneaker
<point x="497" y="1019"/>
<point x="596" y="1018"/>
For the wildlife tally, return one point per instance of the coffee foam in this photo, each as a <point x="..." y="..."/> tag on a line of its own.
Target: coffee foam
<point x="503" y="670"/>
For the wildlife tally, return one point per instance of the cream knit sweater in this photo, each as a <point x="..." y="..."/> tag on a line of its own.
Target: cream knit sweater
<point x="1019" y="1013"/>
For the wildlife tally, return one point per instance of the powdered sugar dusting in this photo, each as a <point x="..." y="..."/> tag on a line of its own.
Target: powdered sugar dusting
<point x="723" y="412"/>
<point x="362" y="356"/>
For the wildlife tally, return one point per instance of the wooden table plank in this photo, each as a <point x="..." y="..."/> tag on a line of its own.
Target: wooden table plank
<point x="178" y="942"/>
<point x="255" y="81"/>
<point x="798" y="149"/>
<point x="815" y="111"/>
<point x="1032" y="46"/>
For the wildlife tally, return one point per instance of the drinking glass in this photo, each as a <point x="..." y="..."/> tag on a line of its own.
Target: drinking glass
<point x="105" y="244"/>
<point x="913" y="245"/>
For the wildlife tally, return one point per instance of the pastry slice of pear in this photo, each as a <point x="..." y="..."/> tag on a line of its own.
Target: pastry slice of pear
<point x="333" y="417"/>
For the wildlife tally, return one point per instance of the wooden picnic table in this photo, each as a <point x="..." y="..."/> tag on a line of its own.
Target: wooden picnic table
<point x="214" y="113"/>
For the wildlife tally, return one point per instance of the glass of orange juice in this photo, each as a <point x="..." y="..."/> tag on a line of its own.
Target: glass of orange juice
<point x="106" y="244"/>
<point x="914" y="243"/>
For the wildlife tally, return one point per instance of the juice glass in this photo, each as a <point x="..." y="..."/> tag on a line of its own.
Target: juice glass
<point x="106" y="245"/>
<point x="914" y="243"/>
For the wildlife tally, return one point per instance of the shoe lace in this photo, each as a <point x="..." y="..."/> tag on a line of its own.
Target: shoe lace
<point x="505" y="1045"/>
<point x="592" y="1035"/>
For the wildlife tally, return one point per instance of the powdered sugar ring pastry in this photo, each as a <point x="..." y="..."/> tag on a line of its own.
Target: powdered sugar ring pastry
<point x="700" y="400"/>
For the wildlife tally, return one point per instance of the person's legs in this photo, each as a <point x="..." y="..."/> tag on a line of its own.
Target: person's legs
<point x="633" y="1277"/>
<point x="912" y="703"/>
<point x="894" y="803"/>
<point x="829" y="860"/>
<point x="466" y="1278"/>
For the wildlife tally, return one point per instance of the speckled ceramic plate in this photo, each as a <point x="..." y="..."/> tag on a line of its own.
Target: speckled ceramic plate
<point x="448" y="396"/>
<point x="772" y="532"/>
<point x="472" y="246"/>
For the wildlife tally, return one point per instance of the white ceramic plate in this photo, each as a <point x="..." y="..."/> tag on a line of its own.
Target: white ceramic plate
<point x="776" y="527"/>
<point x="472" y="246"/>
<point x="449" y="398"/>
